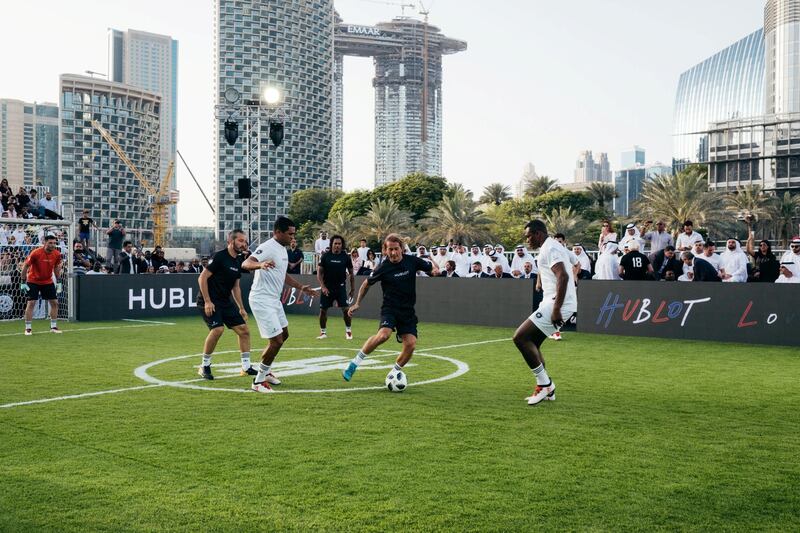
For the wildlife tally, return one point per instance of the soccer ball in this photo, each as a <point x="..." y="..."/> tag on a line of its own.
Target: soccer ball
<point x="396" y="381"/>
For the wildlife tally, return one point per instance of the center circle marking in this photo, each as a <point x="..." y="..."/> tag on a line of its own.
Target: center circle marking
<point x="142" y="373"/>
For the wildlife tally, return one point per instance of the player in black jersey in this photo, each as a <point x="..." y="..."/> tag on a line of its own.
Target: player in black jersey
<point x="218" y="282"/>
<point x="398" y="276"/>
<point x="333" y="271"/>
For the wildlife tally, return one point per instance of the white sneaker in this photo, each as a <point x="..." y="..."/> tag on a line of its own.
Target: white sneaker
<point x="272" y="379"/>
<point x="322" y="336"/>
<point x="542" y="393"/>
<point x="556" y="336"/>
<point x="262" y="387"/>
<point x="348" y="335"/>
<point x="55" y="330"/>
<point x="28" y="332"/>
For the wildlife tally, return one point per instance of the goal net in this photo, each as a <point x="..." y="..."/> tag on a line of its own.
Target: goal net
<point x="18" y="238"/>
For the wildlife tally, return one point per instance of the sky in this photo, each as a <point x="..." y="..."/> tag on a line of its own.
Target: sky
<point x="540" y="80"/>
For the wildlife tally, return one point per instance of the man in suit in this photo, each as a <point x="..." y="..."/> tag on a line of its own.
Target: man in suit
<point x="665" y="261"/>
<point x="477" y="271"/>
<point x="498" y="272"/>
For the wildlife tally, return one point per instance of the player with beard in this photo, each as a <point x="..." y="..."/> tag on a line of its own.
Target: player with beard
<point x="333" y="271"/>
<point x="397" y="274"/>
<point x="270" y="261"/>
<point x="41" y="270"/>
<point x="218" y="282"/>
<point x="559" y="303"/>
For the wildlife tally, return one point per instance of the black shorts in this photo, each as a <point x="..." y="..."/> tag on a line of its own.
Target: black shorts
<point x="336" y="294"/>
<point x="226" y="313"/>
<point x="403" y="322"/>
<point x="48" y="292"/>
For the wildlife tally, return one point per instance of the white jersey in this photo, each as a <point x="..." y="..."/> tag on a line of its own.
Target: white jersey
<point x="551" y="253"/>
<point x="714" y="259"/>
<point x="268" y="284"/>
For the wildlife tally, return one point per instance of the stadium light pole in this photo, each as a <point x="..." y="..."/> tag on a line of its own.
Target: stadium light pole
<point x="246" y="117"/>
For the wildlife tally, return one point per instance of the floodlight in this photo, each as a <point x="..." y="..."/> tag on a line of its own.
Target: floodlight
<point x="276" y="133"/>
<point x="271" y="95"/>
<point x="231" y="132"/>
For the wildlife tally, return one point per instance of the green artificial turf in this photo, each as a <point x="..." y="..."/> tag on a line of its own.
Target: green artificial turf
<point x="645" y="434"/>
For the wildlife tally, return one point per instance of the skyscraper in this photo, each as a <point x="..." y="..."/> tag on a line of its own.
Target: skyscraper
<point x="92" y="174"/>
<point x="408" y="133"/>
<point x="631" y="158"/>
<point x="288" y="45"/>
<point x="150" y="61"/>
<point x="29" y="144"/>
<point x="782" y="54"/>
<point x="588" y="170"/>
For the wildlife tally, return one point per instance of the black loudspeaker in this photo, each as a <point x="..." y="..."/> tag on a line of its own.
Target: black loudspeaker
<point x="244" y="188"/>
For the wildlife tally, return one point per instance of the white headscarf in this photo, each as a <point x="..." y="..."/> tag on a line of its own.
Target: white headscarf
<point x="790" y="261"/>
<point x="583" y="258"/>
<point x="607" y="266"/>
<point x="518" y="263"/>
<point x="734" y="262"/>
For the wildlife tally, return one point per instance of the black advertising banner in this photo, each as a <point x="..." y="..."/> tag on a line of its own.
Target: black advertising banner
<point x="484" y="302"/>
<point x="753" y="313"/>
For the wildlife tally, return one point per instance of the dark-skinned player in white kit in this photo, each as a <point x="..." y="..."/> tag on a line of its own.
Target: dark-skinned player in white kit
<point x="559" y="303"/>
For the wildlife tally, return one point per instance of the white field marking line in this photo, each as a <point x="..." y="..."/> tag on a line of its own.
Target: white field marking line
<point x="161" y="384"/>
<point x="149" y="321"/>
<point x="138" y="387"/>
<point x="98" y="328"/>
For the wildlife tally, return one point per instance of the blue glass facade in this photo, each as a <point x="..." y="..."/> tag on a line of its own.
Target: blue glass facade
<point x="728" y="85"/>
<point x="628" y="185"/>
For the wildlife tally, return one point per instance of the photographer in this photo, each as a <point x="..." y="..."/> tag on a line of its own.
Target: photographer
<point x="116" y="234"/>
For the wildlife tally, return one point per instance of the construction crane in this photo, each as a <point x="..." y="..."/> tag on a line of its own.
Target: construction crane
<point x="159" y="199"/>
<point x="401" y="5"/>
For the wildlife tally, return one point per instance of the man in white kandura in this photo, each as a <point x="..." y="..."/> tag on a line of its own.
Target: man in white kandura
<point x="271" y="261"/>
<point x="559" y="303"/>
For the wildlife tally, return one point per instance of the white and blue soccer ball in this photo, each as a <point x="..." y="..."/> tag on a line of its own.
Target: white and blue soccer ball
<point x="396" y="381"/>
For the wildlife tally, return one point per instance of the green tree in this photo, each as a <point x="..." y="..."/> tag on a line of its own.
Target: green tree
<point x="416" y="193"/>
<point x="602" y="193"/>
<point x="385" y="217"/>
<point x="509" y="219"/>
<point x="343" y="224"/>
<point x="565" y="220"/>
<point x="749" y="204"/>
<point x="495" y="193"/>
<point x="559" y="199"/>
<point x="312" y="205"/>
<point x="783" y="211"/>
<point x="456" y="217"/>
<point x="540" y="185"/>
<point x="679" y="197"/>
<point x="355" y="203"/>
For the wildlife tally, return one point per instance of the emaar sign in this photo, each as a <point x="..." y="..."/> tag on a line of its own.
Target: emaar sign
<point x="364" y="30"/>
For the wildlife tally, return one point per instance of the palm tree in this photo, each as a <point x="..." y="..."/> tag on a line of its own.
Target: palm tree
<point x="749" y="204"/>
<point x="495" y="193"/>
<point x="679" y="197"/>
<point x="385" y="217"/>
<point x="456" y="217"/>
<point x="602" y="192"/>
<point x="783" y="211"/>
<point x="342" y="223"/>
<point x="565" y="220"/>
<point x="541" y="185"/>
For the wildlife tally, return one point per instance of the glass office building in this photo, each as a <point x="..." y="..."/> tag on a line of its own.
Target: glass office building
<point x="92" y="174"/>
<point x="728" y="85"/>
<point x="29" y="144"/>
<point x="289" y="45"/>
<point x="628" y="184"/>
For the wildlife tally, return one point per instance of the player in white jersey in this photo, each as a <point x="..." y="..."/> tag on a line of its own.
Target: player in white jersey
<point x="559" y="303"/>
<point x="270" y="260"/>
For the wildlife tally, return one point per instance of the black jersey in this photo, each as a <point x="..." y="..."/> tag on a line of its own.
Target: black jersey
<point x="225" y="271"/>
<point x="398" y="281"/>
<point x="635" y="266"/>
<point x="334" y="268"/>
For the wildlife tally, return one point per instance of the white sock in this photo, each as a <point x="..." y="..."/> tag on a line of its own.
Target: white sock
<point x="541" y="375"/>
<point x="245" y="360"/>
<point x="28" y="325"/>
<point x="397" y="367"/>
<point x="323" y="331"/>
<point x="206" y="359"/>
<point x="359" y="358"/>
<point x="53" y="323"/>
<point x="348" y="329"/>
<point x="263" y="370"/>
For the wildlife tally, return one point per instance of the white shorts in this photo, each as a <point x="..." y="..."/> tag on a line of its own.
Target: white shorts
<point x="270" y="317"/>
<point x="542" y="317"/>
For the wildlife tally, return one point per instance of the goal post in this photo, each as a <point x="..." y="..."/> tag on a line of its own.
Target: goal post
<point x="18" y="238"/>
